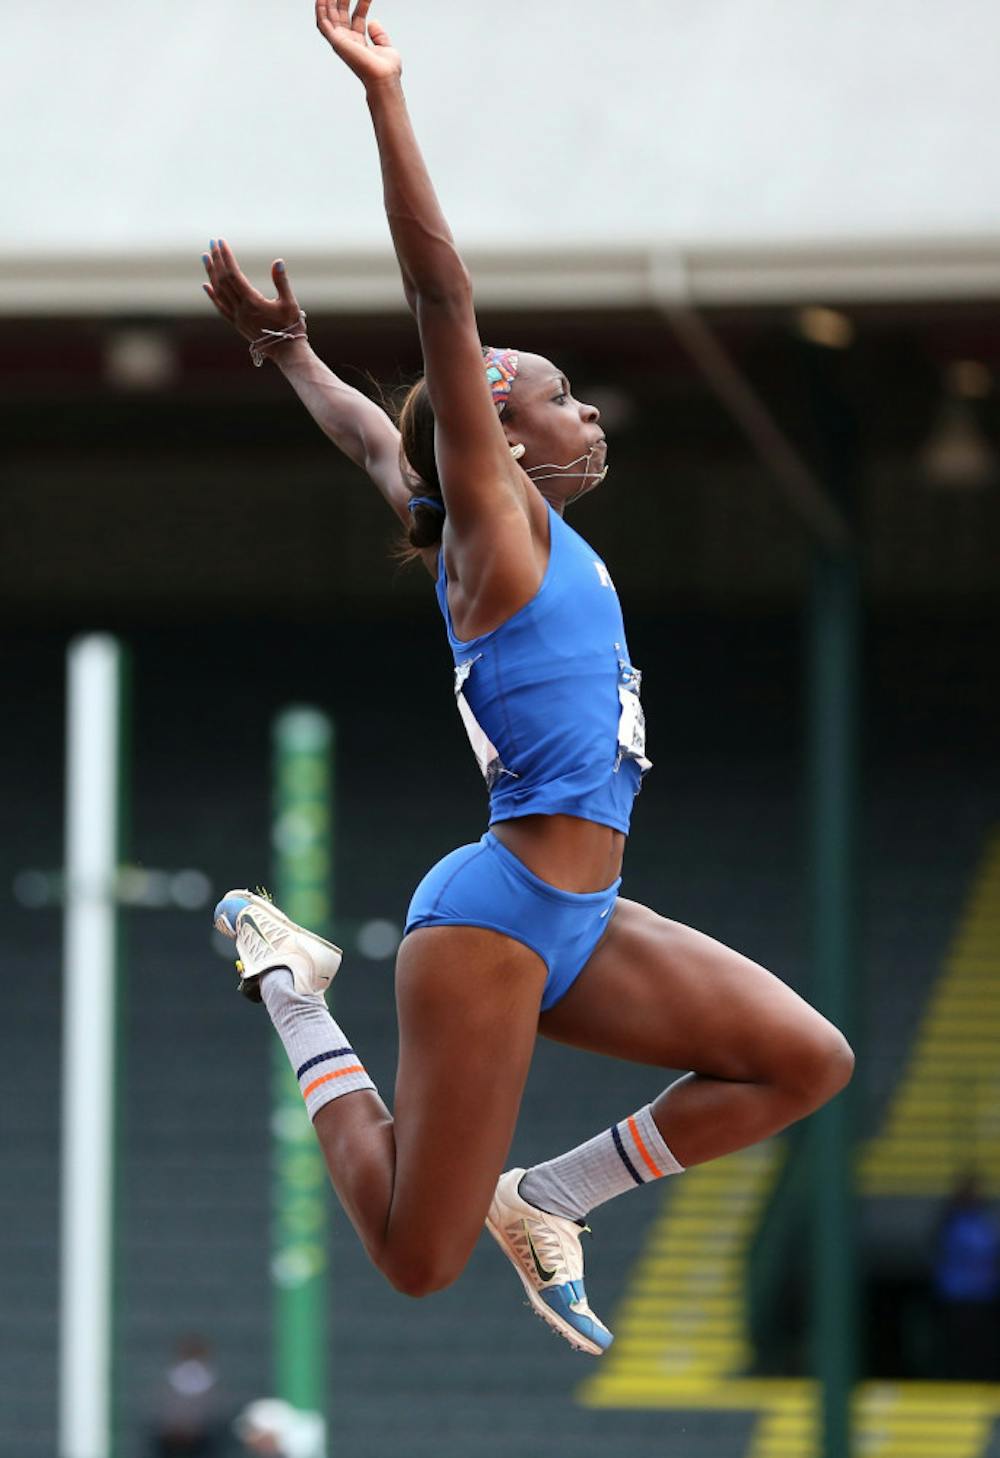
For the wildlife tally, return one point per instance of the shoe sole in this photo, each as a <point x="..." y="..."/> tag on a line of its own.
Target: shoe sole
<point x="576" y="1339"/>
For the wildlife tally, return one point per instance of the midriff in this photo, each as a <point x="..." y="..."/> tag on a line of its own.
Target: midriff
<point x="571" y="854"/>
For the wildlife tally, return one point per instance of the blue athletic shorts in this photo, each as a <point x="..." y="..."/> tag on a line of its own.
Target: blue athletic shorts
<point x="486" y="885"/>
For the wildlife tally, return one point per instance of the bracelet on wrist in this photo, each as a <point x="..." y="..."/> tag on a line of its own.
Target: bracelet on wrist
<point x="271" y="337"/>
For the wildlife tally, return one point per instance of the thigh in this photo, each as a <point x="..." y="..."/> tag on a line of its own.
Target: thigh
<point x="657" y="992"/>
<point x="468" y="1002"/>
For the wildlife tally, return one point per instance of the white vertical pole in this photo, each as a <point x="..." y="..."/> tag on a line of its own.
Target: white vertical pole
<point x="92" y="811"/>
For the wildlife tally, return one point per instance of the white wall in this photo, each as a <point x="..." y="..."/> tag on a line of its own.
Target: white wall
<point x="706" y="124"/>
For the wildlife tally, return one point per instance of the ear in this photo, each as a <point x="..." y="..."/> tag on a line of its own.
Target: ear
<point x="517" y="451"/>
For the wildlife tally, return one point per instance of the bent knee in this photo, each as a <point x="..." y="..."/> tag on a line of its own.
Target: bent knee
<point x="822" y="1065"/>
<point x="838" y="1062"/>
<point x="421" y="1273"/>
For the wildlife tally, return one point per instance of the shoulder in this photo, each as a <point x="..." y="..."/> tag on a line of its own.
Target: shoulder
<point x="497" y="573"/>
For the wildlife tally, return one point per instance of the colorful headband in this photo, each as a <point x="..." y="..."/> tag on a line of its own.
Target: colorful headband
<point x="432" y="501"/>
<point x="501" y="372"/>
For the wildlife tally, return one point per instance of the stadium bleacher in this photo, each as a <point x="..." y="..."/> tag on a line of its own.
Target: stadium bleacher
<point x="467" y="1371"/>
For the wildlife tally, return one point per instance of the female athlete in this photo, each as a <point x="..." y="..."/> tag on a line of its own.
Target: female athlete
<point x="523" y="931"/>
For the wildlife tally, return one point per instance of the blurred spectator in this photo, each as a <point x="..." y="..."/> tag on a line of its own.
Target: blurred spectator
<point x="275" y="1428"/>
<point x="966" y="1284"/>
<point x="189" y="1421"/>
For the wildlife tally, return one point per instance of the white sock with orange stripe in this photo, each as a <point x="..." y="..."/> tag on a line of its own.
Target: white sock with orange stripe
<point x="325" y="1064"/>
<point x="628" y="1154"/>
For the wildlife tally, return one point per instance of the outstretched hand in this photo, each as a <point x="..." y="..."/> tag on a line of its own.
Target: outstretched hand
<point x="237" y="300"/>
<point x="362" y="43"/>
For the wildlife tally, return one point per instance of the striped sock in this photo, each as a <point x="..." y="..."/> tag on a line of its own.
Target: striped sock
<point x="326" y="1066"/>
<point x="628" y="1154"/>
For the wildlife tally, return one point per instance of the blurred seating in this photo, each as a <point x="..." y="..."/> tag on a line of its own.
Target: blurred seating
<point x="716" y="844"/>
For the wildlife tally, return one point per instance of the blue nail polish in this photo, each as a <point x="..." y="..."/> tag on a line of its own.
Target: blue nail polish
<point x="280" y="266"/>
<point x="211" y="243"/>
<point x="205" y="259"/>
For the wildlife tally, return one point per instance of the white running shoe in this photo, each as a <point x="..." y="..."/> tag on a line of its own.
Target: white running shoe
<point x="266" y="938"/>
<point x="545" y="1252"/>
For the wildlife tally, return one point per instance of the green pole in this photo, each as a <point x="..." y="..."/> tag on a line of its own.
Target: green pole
<point x="834" y="796"/>
<point x="303" y="864"/>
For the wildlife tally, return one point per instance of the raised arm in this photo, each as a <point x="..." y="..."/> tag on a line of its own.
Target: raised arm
<point x="355" y="424"/>
<point x="481" y="484"/>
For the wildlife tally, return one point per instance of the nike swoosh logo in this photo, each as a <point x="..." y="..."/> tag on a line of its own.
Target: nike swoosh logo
<point x="249" y="921"/>
<point x="543" y="1274"/>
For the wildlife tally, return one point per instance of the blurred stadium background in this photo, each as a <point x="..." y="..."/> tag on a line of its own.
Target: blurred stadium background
<point x="765" y="241"/>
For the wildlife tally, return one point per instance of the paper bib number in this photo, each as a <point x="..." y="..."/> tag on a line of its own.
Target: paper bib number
<point x="631" y="720"/>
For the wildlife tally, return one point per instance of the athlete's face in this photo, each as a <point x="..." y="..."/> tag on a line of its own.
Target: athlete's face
<point x="564" y="446"/>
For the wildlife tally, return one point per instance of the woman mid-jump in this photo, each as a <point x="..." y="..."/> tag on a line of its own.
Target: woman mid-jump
<point x="524" y="931"/>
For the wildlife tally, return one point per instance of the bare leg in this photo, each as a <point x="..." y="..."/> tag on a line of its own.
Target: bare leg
<point x="417" y="1184"/>
<point x="660" y="993"/>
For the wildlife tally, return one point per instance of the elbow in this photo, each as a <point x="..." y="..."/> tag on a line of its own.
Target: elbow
<point x="446" y="291"/>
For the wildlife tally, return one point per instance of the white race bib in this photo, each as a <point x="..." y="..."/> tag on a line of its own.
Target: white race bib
<point x="486" y="752"/>
<point x="631" y="719"/>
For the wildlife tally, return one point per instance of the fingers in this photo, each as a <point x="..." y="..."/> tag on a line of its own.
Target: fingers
<point x="231" y="270"/>
<point x="377" y="33"/>
<point x="220" y="276"/>
<point x="232" y="281"/>
<point x="229" y="290"/>
<point x="225" y="312"/>
<point x="279" y="276"/>
<point x="327" y="20"/>
<point x="335" y="15"/>
<point x="212" y="287"/>
<point x="212" y="265"/>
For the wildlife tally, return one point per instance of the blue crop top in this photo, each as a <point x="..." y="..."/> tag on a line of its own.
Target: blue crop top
<point x="550" y="699"/>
